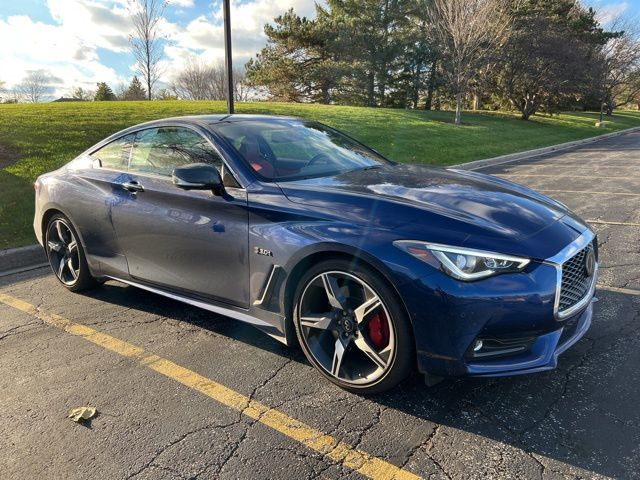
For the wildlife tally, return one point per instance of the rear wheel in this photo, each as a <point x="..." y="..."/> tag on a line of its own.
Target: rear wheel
<point x="352" y="327"/>
<point x="66" y="255"/>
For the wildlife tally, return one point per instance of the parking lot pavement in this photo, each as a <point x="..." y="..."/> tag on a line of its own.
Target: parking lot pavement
<point x="193" y="395"/>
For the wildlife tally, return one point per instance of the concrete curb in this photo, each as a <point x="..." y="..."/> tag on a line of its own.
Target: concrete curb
<point x="15" y="260"/>
<point x="514" y="157"/>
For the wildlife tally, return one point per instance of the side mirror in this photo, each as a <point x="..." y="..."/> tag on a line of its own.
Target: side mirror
<point x="198" y="176"/>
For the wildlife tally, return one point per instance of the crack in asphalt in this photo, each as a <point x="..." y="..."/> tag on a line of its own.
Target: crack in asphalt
<point x="565" y="387"/>
<point x="541" y="465"/>
<point x="183" y="437"/>
<point x="220" y="465"/>
<point x="273" y="375"/>
<point x="427" y="445"/>
<point x="372" y="423"/>
<point x="435" y="460"/>
<point x="250" y="422"/>
<point x="235" y="446"/>
<point x="13" y="331"/>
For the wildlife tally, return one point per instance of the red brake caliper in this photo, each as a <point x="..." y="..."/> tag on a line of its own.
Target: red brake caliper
<point x="379" y="330"/>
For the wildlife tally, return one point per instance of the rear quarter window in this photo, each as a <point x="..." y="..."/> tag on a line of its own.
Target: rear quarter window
<point x="115" y="155"/>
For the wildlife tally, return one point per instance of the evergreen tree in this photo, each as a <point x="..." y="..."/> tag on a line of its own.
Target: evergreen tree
<point x="135" y="91"/>
<point x="350" y="53"/>
<point x="373" y="38"/>
<point x="104" y="93"/>
<point x="301" y="61"/>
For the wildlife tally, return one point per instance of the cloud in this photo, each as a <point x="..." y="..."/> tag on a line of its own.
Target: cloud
<point x="181" y="3"/>
<point x="96" y="23"/>
<point x="205" y="33"/>
<point x="70" y="46"/>
<point x="607" y="12"/>
<point x="29" y="45"/>
<point x="103" y="16"/>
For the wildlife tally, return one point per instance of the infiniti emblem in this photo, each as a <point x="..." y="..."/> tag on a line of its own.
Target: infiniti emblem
<point x="347" y="324"/>
<point x="590" y="263"/>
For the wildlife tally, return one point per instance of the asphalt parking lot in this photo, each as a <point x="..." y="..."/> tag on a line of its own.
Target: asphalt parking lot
<point x="185" y="394"/>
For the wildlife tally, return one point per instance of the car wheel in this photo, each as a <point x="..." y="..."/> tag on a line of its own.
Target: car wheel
<point x="352" y="327"/>
<point x="66" y="256"/>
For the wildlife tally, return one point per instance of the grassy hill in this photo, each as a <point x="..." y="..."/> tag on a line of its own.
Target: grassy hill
<point x="41" y="137"/>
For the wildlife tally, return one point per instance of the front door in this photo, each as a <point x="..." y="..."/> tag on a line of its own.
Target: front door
<point x="192" y="241"/>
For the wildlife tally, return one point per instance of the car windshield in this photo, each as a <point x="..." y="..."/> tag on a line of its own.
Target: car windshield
<point x="283" y="150"/>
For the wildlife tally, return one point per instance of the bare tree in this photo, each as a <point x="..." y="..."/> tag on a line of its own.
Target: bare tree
<point x="121" y="91"/>
<point x="464" y="31"/>
<point x="240" y="87"/>
<point x="145" y="41"/>
<point x="79" y="93"/>
<point x="196" y="81"/>
<point x="34" y="86"/>
<point x="199" y="81"/>
<point x="620" y="71"/>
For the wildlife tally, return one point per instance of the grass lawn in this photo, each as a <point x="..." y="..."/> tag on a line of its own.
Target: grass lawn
<point x="46" y="136"/>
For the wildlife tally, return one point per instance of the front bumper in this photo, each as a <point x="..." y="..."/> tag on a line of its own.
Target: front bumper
<point x="543" y="353"/>
<point x="511" y="310"/>
<point x="540" y="355"/>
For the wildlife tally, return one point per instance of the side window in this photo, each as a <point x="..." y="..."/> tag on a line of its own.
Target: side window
<point x="160" y="150"/>
<point x="115" y="155"/>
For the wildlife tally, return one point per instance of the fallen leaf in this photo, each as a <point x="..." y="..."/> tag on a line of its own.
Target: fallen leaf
<point x="80" y="414"/>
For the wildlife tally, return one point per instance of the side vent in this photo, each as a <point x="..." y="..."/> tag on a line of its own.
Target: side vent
<point x="268" y="286"/>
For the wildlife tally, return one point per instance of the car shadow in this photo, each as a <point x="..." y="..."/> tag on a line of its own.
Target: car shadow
<point x="583" y="414"/>
<point x="131" y="297"/>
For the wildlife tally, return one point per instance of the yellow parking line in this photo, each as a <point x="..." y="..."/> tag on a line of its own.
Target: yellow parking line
<point x="588" y="192"/>
<point x="633" y="171"/>
<point x="604" y="222"/>
<point x="627" y="291"/>
<point x="561" y="175"/>
<point x="340" y="452"/>
<point x="577" y="165"/>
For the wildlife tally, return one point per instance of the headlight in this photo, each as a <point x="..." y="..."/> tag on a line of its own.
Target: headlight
<point x="463" y="263"/>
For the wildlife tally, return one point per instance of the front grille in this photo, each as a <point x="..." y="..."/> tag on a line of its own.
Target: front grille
<point x="575" y="282"/>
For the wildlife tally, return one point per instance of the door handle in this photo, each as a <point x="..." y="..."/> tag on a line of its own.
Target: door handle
<point x="132" y="186"/>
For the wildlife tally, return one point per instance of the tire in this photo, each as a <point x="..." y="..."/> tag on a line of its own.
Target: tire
<point x="342" y="305"/>
<point x="66" y="255"/>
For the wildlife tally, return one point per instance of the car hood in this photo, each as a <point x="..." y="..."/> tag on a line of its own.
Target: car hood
<point x="409" y="197"/>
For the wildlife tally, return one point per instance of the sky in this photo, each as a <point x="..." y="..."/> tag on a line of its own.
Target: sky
<point x="81" y="42"/>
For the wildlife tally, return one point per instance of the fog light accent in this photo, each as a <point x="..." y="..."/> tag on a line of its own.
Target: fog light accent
<point x="477" y="346"/>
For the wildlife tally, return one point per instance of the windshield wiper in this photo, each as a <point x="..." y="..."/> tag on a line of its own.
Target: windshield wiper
<point x="364" y="169"/>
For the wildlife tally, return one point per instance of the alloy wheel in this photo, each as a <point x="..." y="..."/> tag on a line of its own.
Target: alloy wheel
<point x="62" y="249"/>
<point x="346" y="328"/>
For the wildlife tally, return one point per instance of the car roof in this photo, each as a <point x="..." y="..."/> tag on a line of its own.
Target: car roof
<point x="205" y="120"/>
<point x="196" y="120"/>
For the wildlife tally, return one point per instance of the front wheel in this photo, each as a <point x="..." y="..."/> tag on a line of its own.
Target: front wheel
<point x="352" y="327"/>
<point x="66" y="255"/>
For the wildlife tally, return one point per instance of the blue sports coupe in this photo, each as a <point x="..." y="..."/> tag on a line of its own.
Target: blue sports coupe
<point x="374" y="268"/>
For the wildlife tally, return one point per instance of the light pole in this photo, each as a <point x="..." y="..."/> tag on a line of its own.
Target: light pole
<point x="227" y="54"/>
